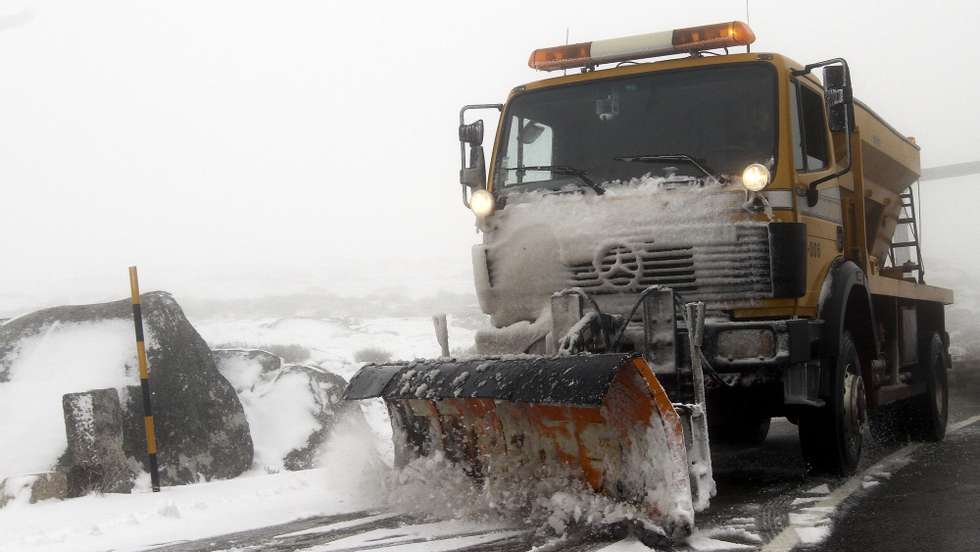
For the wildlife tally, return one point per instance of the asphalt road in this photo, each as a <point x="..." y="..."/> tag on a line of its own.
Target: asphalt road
<point x="931" y="504"/>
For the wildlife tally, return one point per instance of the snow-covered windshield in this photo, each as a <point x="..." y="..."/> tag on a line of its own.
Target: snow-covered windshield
<point x="719" y="118"/>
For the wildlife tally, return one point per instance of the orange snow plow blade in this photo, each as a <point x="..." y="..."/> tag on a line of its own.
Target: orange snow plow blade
<point x="601" y="418"/>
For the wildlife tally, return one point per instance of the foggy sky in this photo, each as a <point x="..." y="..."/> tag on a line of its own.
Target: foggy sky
<point x="242" y="147"/>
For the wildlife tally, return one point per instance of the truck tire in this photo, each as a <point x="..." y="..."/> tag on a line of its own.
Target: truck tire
<point x="928" y="413"/>
<point x="831" y="437"/>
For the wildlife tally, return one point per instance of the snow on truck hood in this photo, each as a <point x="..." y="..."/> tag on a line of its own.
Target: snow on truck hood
<point x="639" y="210"/>
<point x="542" y="242"/>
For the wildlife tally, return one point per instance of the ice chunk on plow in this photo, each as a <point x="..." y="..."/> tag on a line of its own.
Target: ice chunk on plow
<point x="600" y="418"/>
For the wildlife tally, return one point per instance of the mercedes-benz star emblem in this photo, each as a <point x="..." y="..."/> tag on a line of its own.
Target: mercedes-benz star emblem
<point x="617" y="264"/>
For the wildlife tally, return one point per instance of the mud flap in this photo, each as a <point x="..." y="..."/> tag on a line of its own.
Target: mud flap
<point x="603" y="419"/>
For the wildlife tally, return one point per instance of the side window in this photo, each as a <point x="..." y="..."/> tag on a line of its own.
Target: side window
<point x="794" y="112"/>
<point x="530" y="144"/>
<point x="810" y="150"/>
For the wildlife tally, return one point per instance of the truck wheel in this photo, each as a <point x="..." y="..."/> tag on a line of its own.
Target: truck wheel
<point x="928" y="413"/>
<point x="831" y="437"/>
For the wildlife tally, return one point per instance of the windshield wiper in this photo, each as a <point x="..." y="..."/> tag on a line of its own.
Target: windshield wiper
<point x="563" y="170"/>
<point x="668" y="159"/>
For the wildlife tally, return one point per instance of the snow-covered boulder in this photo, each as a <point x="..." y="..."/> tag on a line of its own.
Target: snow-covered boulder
<point x="291" y="408"/>
<point x="95" y="460"/>
<point x="201" y="428"/>
<point x="33" y="488"/>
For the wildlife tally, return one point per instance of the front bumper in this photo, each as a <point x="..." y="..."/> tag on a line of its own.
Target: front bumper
<point x="758" y="351"/>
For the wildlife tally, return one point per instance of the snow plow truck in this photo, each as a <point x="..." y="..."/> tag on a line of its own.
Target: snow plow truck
<point x="675" y="248"/>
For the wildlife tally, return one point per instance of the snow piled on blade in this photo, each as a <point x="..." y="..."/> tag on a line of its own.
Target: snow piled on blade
<point x="560" y="470"/>
<point x="548" y="500"/>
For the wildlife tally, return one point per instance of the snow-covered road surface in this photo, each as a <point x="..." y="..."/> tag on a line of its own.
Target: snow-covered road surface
<point x="140" y="520"/>
<point x="763" y="497"/>
<point x="309" y="511"/>
<point x="762" y="491"/>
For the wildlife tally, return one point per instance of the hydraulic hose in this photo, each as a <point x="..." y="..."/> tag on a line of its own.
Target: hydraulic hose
<point x="678" y="304"/>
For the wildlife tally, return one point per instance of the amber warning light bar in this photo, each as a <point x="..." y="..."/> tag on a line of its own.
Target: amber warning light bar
<point x="584" y="54"/>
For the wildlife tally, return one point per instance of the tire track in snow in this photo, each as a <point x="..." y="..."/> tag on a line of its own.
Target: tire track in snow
<point x="287" y="537"/>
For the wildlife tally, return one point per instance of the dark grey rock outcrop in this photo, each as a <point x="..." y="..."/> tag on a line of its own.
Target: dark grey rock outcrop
<point x="201" y="427"/>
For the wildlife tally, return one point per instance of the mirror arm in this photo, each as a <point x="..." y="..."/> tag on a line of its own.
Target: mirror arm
<point x="465" y="108"/>
<point x="810" y="67"/>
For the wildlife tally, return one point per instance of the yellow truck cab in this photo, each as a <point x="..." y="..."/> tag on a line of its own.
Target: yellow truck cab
<point x="741" y="180"/>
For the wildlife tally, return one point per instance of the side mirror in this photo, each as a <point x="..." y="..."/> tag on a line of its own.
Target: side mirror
<point x="474" y="173"/>
<point x="472" y="133"/>
<point x="840" y="99"/>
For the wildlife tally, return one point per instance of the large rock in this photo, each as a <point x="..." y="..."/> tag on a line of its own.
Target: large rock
<point x="291" y="408"/>
<point x="94" y="431"/>
<point x="33" y="488"/>
<point x="201" y="428"/>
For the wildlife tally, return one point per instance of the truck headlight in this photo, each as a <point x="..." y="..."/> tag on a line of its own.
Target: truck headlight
<point x="481" y="203"/>
<point x="755" y="177"/>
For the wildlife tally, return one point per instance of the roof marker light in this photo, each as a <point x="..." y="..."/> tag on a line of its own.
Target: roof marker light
<point x="582" y="54"/>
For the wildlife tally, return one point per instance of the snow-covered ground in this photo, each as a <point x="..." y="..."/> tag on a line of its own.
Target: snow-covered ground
<point x="348" y="479"/>
<point x="77" y="357"/>
<point x="333" y="342"/>
<point x="138" y="520"/>
<point x="72" y="357"/>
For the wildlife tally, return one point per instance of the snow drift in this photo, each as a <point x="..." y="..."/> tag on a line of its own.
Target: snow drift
<point x="291" y="408"/>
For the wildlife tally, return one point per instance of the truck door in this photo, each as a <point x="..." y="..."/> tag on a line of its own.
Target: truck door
<point x="812" y="159"/>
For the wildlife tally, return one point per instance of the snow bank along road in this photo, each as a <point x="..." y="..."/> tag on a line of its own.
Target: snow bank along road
<point x="765" y="503"/>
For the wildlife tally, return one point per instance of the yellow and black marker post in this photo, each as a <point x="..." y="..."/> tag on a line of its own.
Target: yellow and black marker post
<point x="151" y="438"/>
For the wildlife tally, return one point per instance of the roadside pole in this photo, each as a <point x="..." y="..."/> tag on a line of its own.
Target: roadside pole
<point x="151" y="439"/>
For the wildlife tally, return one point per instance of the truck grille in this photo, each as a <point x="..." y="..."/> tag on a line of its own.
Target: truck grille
<point x="713" y="271"/>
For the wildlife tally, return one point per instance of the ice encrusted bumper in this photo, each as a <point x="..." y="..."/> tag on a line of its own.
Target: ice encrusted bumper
<point x="784" y="349"/>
